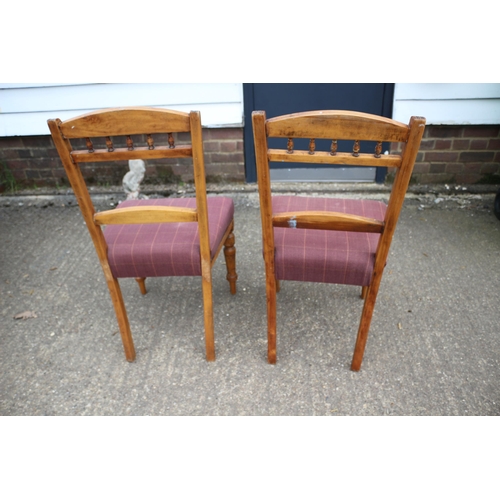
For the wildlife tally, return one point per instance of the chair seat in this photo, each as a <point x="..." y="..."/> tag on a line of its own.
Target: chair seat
<point x="169" y="249"/>
<point x="332" y="256"/>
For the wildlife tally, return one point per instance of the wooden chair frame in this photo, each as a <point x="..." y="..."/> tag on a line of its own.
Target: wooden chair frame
<point x="138" y="121"/>
<point x="333" y="125"/>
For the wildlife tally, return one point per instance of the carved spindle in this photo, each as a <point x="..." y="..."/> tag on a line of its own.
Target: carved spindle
<point x="289" y="145"/>
<point x="355" y="149"/>
<point x="333" y="148"/>
<point x="151" y="143"/>
<point x="171" y="142"/>
<point x="230" y="257"/>
<point x="130" y="143"/>
<point x="378" y="150"/>
<point x="312" y="146"/>
<point x="109" y="144"/>
<point x="90" y="146"/>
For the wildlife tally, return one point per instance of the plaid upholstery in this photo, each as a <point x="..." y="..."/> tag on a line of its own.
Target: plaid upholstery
<point x="169" y="249"/>
<point x="326" y="256"/>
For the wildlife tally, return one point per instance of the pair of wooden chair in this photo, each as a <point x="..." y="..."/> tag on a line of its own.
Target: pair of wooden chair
<point x="304" y="238"/>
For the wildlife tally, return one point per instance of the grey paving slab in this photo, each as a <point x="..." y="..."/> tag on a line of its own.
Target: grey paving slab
<point x="433" y="349"/>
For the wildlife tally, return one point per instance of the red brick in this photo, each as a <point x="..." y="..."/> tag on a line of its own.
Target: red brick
<point x="490" y="168"/>
<point x="461" y="144"/>
<point x="440" y="157"/>
<point x="494" y="144"/>
<point x="467" y="156"/>
<point x="421" y="168"/>
<point x="444" y="131"/>
<point x="437" y="168"/>
<point x="481" y="131"/>
<point x="479" y="144"/>
<point x="427" y="144"/>
<point x="443" y="144"/>
<point x="454" y="168"/>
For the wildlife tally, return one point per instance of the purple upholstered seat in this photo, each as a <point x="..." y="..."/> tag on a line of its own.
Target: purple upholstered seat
<point x="332" y="256"/>
<point x="170" y="249"/>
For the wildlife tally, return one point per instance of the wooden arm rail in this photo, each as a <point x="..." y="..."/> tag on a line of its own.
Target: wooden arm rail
<point x="145" y="215"/>
<point x="335" y="221"/>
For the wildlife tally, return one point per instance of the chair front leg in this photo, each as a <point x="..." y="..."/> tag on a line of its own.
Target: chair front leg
<point x="208" y="311"/>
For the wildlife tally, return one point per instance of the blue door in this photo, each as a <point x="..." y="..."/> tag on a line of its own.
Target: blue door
<point x="284" y="98"/>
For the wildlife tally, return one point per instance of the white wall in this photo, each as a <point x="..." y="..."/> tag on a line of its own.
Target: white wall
<point x="25" y="108"/>
<point x="448" y="103"/>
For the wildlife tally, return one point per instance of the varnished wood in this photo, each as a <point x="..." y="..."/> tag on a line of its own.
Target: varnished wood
<point x="323" y="157"/>
<point x="230" y="256"/>
<point x="146" y="215"/>
<point x="139" y="153"/>
<point x="125" y="122"/>
<point x="333" y="125"/>
<point x="337" y="221"/>
<point x="142" y="285"/>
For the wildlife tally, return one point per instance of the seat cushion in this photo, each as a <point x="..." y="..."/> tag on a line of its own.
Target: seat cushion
<point x="169" y="249"/>
<point x="326" y="256"/>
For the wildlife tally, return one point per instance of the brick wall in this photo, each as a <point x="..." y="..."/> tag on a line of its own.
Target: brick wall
<point x="458" y="154"/>
<point x="448" y="154"/>
<point x="33" y="161"/>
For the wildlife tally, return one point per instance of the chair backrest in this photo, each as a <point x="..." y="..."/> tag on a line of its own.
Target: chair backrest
<point x="335" y="126"/>
<point x="155" y="127"/>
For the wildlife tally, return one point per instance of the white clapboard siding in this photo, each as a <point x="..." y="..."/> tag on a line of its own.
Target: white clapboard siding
<point x="448" y="103"/>
<point x="25" y="108"/>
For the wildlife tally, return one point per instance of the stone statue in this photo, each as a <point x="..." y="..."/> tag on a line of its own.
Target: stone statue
<point x="133" y="179"/>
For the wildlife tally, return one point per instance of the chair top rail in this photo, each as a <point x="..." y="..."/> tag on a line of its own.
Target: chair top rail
<point x="337" y="124"/>
<point x="125" y="121"/>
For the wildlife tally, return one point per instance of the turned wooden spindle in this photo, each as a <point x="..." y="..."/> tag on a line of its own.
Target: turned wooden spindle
<point x="130" y="143"/>
<point x="150" y="141"/>
<point x="378" y="150"/>
<point x="90" y="146"/>
<point x="355" y="149"/>
<point x="109" y="144"/>
<point x="334" y="147"/>
<point x="171" y="141"/>
<point x="312" y="146"/>
<point x="230" y="256"/>
<point x="289" y="145"/>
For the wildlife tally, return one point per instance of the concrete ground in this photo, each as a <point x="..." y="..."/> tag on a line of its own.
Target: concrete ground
<point x="433" y="348"/>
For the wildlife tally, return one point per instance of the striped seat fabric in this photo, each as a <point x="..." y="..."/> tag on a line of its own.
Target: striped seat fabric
<point x="169" y="249"/>
<point x="326" y="256"/>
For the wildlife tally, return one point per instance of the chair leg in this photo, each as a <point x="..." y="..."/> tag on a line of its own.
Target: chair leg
<point x="364" y="291"/>
<point x="121" y="316"/>
<point x="364" y="326"/>
<point x="230" y="257"/>
<point x="208" y="312"/>
<point x="142" y="285"/>
<point x="271" y="284"/>
<point x="278" y="287"/>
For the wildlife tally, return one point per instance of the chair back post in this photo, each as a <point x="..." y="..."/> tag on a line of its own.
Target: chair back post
<point x="399" y="188"/>
<point x="264" y="184"/>
<point x="201" y="189"/>
<point x="81" y="192"/>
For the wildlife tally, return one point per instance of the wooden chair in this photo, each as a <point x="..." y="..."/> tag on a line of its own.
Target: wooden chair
<point x="330" y="240"/>
<point x="152" y="237"/>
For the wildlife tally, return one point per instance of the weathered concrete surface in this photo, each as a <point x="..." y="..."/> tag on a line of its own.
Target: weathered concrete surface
<point x="433" y="349"/>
